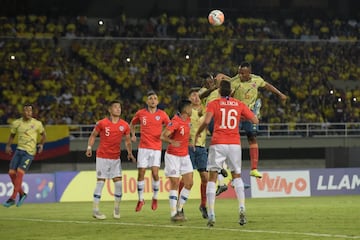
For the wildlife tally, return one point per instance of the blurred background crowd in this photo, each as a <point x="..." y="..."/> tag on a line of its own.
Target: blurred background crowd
<point x="70" y="67"/>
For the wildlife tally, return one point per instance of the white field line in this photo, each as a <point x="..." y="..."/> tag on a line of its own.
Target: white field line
<point x="179" y="226"/>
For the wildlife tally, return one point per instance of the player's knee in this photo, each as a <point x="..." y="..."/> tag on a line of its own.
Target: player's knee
<point x="189" y="184"/>
<point x="201" y="170"/>
<point x="251" y="136"/>
<point x="155" y="177"/>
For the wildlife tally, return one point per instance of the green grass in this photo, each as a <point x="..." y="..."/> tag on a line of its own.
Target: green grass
<point x="274" y="218"/>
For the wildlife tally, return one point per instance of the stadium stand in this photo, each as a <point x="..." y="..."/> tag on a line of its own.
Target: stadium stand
<point x="70" y="66"/>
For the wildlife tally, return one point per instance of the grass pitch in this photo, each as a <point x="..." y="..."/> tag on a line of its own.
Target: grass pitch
<point x="275" y="218"/>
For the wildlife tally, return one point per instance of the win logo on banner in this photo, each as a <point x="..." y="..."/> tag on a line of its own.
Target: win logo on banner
<point x="281" y="184"/>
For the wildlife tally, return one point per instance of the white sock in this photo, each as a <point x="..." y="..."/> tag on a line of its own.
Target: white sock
<point x="184" y="195"/>
<point x="220" y="179"/>
<point x="239" y="190"/>
<point x="155" y="186"/>
<point x="210" y="196"/>
<point x="118" y="193"/>
<point x="140" y="188"/>
<point x="97" y="194"/>
<point x="173" y="201"/>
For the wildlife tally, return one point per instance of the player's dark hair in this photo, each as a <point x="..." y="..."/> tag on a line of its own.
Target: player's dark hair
<point x="150" y="92"/>
<point x="245" y="64"/>
<point x="207" y="75"/>
<point x="194" y="89"/>
<point x="113" y="102"/>
<point x="225" y="88"/>
<point x="28" y="105"/>
<point x="183" y="103"/>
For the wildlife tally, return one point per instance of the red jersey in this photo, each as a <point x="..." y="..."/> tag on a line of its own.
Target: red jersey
<point x="110" y="137"/>
<point x="227" y="113"/>
<point x="150" y="127"/>
<point x="180" y="130"/>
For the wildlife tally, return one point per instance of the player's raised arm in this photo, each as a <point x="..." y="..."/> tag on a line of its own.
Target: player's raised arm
<point x="276" y="91"/>
<point x="221" y="76"/>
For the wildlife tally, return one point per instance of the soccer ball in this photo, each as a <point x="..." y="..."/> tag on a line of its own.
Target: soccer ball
<point x="216" y="17"/>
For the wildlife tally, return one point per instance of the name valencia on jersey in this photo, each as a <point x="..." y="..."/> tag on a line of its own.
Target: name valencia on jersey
<point x="229" y="103"/>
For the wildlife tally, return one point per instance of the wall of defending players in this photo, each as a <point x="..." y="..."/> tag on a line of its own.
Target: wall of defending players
<point x="74" y="186"/>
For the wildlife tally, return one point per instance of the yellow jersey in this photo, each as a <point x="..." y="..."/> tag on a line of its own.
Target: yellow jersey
<point x="28" y="132"/>
<point x="196" y="121"/>
<point x="247" y="92"/>
<point x="213" y="95"/>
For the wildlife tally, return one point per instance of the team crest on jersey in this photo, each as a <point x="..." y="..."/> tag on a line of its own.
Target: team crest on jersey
<point x="170" y="124"/>
<point x="121" y="128"/>
<point x="157" y="118"/>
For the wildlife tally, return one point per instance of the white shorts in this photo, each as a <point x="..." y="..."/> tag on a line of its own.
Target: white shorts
<point x="176" y="166"/>
<point x="147" y="158"/>
<point x="224" y="153"/>
<point x="108" y="168"/>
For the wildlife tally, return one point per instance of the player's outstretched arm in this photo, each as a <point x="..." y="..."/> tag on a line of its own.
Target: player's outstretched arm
<point x="221" y="76"/>
<point x="276" y="91"/>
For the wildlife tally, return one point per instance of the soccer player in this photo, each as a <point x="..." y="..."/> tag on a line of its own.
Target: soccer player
<point x="151" y="120"/>
<point x="197" y="150"/>
<point x="245" y="87"/>
<point x="177" y="159"/>
<point x="208" y="93"/>
<point x="225" y="145"/>
<point x="210" y="85"/>
<point x="28" y="129"/>
<point x="108" y="163"/>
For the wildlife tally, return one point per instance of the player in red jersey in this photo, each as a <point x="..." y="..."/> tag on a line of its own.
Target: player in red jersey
<point x="225" y="145"/>
<point x="177" y="159"/>
<point x="108" y="164"/>
<point x="151" y="120"/>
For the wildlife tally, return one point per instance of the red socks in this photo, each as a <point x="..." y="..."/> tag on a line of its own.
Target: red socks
<point x="254" y="155"/>
<point x="17" y="183"/>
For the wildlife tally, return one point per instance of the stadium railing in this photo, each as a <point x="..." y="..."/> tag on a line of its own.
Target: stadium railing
<point x="269" y="130"/>
<point x="266" y="130"/>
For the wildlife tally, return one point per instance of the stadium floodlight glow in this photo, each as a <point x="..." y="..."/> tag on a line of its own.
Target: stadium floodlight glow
<point x="187" y="56"/>
<point x="331" y="91"/>
<point x="12" y="57"/>
<point x="354" y="99"/>
<point x="339" y="99"/>
<point x="128" y="59"/>
<point x="101" y="22"/>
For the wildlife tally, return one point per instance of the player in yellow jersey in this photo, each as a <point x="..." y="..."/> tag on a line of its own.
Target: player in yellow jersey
<point x="197" y="150"/>
<point x="209" y="92"/>
<point x="245" y="86"/>
<point x="27" y="128"/>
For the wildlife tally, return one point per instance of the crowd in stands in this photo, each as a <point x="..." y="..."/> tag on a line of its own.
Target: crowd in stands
<point x="180" y="27"/>
<point x="70" y="80"/>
